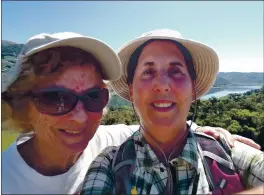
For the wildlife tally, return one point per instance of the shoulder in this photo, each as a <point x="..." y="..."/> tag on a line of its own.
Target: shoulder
<point x="105" y="158"/>
<point x="118" y="130"/>
<point x="10" y="170"/>
<point x="246" y="153"/>
<point x="250" y="164"/>
<point x="109" y="153"/>
<point x="113" y="135"/>
<point x="9" y="156"/>
<point x="107" y="136"/>
<point x="221" y="142"/>
<point x="99" y="177"/>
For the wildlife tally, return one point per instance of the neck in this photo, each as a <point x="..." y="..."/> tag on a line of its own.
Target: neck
<point x="171" y="141"/>
<point x="46" y="158"/>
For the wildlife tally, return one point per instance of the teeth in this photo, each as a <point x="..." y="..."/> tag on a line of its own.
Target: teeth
<point x="162" y="105"/>
<point x="70" y="131"/>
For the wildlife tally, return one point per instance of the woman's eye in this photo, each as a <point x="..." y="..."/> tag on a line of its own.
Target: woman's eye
<point x="174" y="71"/>
<point x="148" y="72"/>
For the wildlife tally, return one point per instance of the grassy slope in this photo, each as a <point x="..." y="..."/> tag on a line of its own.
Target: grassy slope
<point x="7" y="138"/>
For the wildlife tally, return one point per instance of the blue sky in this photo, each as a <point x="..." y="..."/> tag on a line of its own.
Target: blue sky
<point x="233" y="29"/>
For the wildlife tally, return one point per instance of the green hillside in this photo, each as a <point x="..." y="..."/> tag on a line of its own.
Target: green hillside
<point x="241" y="114"/>
<point x="221" y="82"/>
<point x="6" y="43"/>
<point x="10" y="51"/>
<point x="243" y="78"/>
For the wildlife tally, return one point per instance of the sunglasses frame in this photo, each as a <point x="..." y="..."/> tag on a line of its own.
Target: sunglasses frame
<point x="35" y="98"/>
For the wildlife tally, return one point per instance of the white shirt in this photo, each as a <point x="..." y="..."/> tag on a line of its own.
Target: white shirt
<point x="19" y="178"/>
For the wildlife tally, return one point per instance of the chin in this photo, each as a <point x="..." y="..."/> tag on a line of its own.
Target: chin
<point x="163" y="122"/>
<point x="75" y="147"/>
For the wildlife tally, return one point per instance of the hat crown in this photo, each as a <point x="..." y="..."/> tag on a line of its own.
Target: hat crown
<point x="163" y="32"/>
<point x="44" y="39"/>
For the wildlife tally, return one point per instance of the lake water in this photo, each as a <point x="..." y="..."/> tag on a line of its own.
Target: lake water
<point x="220" y="92"/>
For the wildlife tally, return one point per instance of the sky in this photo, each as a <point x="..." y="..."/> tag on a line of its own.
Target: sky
<point x="233" y="29"/>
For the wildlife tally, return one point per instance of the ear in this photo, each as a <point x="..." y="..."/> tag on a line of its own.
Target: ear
<point x="131" y="93"/>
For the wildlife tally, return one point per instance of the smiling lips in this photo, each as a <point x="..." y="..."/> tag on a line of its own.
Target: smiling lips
<point x="73" y="132"/>
<point x="163" y="105"/>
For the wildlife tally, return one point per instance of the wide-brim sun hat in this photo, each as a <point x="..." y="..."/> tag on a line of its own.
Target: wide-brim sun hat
<point x="205" y="60"/>
<point x="109" y="61"/>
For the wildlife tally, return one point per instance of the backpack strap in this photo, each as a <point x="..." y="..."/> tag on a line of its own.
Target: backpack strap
<point x="218" y="164"/>
<point x="219" y="159"/>
<point x="124" y="155"/>
<point x="123" y="165"/>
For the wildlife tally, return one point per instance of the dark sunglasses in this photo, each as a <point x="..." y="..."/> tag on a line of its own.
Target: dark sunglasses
<point x="60" y="101"/>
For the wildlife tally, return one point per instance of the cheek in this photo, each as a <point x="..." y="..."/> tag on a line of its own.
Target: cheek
<point x="141" y="90"/>
<point x="39" y="121"/>
<point x="183" y="89"/>
<point x="142" y="93"/>
<point x="43" y="124"/>
<point x="95" y="116"/>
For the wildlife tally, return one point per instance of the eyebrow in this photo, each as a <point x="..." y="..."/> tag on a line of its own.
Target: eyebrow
<point x="175" y="63"/>
<point x="148" y="63"/>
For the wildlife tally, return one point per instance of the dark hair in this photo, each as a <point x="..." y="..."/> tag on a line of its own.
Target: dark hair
<point x="133" y="61"/>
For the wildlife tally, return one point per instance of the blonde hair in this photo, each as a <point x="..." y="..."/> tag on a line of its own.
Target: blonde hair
<point x="15" y="103"/>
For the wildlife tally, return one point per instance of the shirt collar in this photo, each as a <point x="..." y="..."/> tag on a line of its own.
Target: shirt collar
<point x="147" y="159"/>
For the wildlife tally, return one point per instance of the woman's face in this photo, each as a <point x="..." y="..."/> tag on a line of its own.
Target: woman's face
<point x="162" y="87"/>
<point x="72" y="131"/>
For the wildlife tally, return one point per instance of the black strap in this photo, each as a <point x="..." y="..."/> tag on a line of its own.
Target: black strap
<point x="195" y="184"/>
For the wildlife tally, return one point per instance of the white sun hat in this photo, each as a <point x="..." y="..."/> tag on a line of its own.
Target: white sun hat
<point x="110" y="63"/>
<point x="205" y="60"/>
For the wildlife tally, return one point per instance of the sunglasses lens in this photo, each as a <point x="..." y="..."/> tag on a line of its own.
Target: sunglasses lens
<point x="95" y="100"/>
<point x="54" y="102"/>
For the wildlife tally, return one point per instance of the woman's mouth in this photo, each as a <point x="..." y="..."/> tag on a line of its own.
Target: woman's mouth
<point x="163" y="106"/>
<point x="70" y="132"/>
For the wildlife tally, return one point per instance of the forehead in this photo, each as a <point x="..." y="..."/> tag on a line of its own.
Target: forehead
<point x="77" y="78"/>
<point x="160" y="48"/>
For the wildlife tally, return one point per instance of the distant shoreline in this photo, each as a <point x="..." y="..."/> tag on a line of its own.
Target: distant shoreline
<point x="238" y="86"/>
<point x="221" y="91"/>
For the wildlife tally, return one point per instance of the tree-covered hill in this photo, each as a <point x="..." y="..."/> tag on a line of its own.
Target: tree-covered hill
<point x="10" y="49"/>
<point x="219" y="82"/>
<point x="241" y="114"/>
<point x="243" y="78"/>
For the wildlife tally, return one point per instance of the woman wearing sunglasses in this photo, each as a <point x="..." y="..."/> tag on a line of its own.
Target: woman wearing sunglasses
<point x="163" y="75"/>
<point x="56" y="96"/>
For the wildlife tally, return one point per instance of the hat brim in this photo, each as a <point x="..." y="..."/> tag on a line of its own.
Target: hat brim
<point x="110" y="63"/>
<point x="205" y="59"/>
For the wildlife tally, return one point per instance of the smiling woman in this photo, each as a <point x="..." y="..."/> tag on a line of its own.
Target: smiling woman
<point x="51" y="106"/>
<point x="155" y="81"/>
<point x="55" y="95"/>
<point x="162" y="80"/>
